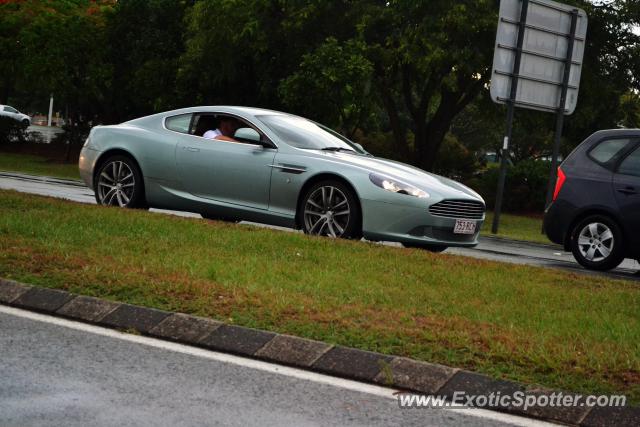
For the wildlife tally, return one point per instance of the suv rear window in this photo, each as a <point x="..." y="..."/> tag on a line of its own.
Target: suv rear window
<point x="609" y="150"/>
<point x="631" y="165"/>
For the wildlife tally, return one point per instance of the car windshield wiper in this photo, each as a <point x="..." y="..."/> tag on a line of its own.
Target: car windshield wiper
<point x="348" y="150"/>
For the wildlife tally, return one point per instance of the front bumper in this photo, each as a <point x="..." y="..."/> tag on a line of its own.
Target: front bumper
<point x="87" y="163"/>
<point x="383" y="221"/>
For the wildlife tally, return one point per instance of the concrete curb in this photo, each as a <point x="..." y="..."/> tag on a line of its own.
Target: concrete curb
<point x="391" y="371"/>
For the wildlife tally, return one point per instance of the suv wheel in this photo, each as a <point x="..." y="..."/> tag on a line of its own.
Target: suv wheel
<point x="597" y="243"/>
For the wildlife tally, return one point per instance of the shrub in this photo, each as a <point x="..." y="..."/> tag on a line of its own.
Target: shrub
<point x="11" y="130"/>
<point x="525" y="187"/>
<point x="455" y="161"/>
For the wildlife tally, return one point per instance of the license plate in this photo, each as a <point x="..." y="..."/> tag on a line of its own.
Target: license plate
<point x="464" y="226"/>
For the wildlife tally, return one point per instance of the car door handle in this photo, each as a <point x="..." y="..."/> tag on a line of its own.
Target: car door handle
<point x="192" y="149"/>
<point x="628" y="191"/>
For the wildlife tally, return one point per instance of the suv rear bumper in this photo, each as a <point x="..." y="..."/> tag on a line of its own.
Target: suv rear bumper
<point x="557" y="219"/>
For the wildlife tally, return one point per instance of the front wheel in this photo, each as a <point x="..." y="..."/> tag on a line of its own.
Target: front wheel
<point x="119" y="183"/>
<point x="597" y="243"/>
<point x="329" y="208"/>
<point x="26" y="123"/>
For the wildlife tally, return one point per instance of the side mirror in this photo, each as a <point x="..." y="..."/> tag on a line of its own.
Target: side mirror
<point x="248" y="135"/>
<point x="359" y="146"/>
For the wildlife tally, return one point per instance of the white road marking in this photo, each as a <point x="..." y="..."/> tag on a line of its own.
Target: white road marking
<point x="256" y="364"/>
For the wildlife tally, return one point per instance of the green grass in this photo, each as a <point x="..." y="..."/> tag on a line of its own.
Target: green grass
<point x="518" y="227"/>
<point x="37" y="165"/>
<point x="540" y="326"/>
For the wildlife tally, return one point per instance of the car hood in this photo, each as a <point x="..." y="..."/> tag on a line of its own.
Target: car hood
<point x="407" y="174"/>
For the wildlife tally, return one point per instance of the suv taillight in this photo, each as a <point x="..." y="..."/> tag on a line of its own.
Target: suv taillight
<point x="559" y="183"/>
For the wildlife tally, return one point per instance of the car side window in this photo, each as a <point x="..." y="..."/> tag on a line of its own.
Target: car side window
<point x="609" y="151"/>
<point x="10" y="109"/>
<point x="235" y="128"/>
<point x="631" y="165"/>
<point x="179" y="123"/>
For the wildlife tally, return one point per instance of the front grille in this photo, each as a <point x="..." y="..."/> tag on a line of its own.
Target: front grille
<point x="463" y="209"/>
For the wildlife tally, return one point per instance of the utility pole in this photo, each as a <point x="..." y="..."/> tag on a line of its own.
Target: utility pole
<point x="50" y="110"/>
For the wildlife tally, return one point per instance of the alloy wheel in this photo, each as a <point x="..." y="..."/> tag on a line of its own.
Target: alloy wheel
<point x="116" y="184"/>
<point x="327" y="212"/>
<point x="596" y="242"/>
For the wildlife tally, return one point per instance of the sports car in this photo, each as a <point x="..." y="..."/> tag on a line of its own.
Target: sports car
<point x="276" y="168"/>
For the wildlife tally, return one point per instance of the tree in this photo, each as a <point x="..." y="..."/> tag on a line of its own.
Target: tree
<point x="12" y="20"/>
<point x="56" y="49"/>
<point x="606" y="97"/>
<point x="144" y="46"/>
<point x="332" y="85"/>
<point x="239" y="51"/>
<point x="630" y="106"/>
<point x="431" y="59"/>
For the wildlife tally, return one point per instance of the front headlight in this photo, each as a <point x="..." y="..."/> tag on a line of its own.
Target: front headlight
<point x="396" y="186"/>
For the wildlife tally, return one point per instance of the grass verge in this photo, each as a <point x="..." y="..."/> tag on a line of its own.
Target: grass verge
<point x="518" y="227"/>
<point x="523" y="323"/>
<point x="37" y="165"/>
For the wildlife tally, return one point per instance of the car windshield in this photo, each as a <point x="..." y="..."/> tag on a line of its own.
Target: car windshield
<point x="308" y="135"/>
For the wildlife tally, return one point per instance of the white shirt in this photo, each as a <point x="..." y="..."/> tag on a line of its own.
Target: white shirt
<point x="212" y="134"/>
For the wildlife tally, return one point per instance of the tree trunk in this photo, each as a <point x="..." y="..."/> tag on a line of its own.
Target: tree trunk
<point x="430" y="143"/>
<point x="399" y="134"/>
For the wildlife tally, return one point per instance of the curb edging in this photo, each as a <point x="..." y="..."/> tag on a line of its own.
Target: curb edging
<point x="406" y="375"/>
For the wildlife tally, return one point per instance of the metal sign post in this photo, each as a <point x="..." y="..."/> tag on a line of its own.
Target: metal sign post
<point x="561" y="109"/>
<point x="511" y="103"/>
<point x="537" y="65"/>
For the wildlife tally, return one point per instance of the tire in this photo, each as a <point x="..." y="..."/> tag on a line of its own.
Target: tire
<point x="431" y="248"/>
<point x="330" y="208"/>
<point x="597" y="243"/>
<point x="26" y="123"/>
<point x="119" y="183"/>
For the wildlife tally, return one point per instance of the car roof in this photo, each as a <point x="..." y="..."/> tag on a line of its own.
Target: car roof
<point x="615" y="132"/>
<point x="248" y="112"/>
<point x="252" y="111"/>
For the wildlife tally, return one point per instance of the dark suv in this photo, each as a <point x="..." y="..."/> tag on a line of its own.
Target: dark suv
<point x="596" y="204"/>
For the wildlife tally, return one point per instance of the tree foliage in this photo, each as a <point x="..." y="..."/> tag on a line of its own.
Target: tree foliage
<point x="408" y="79"/>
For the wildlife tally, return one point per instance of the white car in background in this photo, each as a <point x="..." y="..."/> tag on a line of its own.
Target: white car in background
<point x="11" y="112"/>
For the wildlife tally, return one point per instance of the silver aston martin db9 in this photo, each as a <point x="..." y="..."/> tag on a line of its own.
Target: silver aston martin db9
<point x="238" y="163"/>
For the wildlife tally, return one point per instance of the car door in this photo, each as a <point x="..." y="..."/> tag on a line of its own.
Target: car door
<point x="626" y="185"/>
<point x="230" y="172"/>
<point x="11" y="112"/>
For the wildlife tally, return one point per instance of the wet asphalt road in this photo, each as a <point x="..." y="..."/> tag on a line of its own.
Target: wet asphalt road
<point x="551" y="256"/>
<point x="53" y="374"/>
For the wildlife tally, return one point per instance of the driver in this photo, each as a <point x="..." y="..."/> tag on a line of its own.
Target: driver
<point x="226" y="129"/>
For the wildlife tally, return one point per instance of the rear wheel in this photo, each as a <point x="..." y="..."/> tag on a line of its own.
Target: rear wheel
<point x="119" y="183"/>
<point x="597" y="243"/>
<point x="330" y="208"/>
